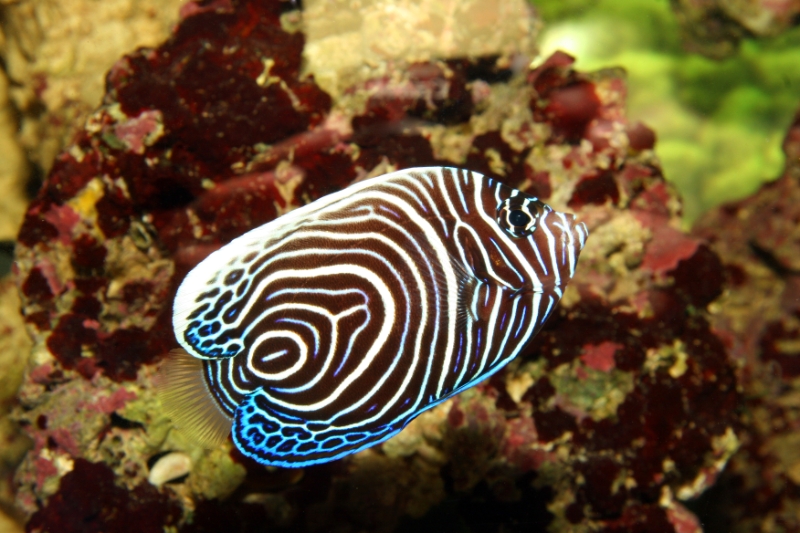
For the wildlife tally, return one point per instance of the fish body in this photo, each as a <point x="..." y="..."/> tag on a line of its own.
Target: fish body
<point x="327" y="330"/>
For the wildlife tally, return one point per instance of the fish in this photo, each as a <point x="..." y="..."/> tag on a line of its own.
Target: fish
<point x="327" y="330"/>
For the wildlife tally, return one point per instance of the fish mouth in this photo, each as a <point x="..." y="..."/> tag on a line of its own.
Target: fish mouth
<point x="566" y="237"/>
<point x="579" y="231"/>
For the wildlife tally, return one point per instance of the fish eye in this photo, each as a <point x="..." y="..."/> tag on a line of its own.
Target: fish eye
<point x="518" y="215"/>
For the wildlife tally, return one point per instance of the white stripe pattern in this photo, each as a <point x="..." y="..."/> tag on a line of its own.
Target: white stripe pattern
<point x="330" y="328"/>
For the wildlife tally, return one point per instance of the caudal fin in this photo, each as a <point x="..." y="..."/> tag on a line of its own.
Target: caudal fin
<point x="188" y="402"/>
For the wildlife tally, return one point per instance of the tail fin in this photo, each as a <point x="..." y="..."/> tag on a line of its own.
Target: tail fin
<point x="188" y="402"/>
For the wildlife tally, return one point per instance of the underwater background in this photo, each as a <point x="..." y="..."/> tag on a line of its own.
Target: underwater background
<point x="663" y="395"/>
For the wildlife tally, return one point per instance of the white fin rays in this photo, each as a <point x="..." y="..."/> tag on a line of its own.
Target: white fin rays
<point x="183" y="392"/>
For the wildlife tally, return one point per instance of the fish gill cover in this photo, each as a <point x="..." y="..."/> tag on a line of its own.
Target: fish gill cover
<point x="624" y="404"/>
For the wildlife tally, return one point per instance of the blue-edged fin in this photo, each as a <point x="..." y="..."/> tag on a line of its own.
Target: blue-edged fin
<point x="188" y="402"/>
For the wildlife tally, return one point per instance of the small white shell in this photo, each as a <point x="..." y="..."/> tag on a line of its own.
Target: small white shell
<point x="171" y="466"/>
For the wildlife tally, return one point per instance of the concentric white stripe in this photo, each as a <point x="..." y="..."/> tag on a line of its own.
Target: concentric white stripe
<point x="326" y="302"/>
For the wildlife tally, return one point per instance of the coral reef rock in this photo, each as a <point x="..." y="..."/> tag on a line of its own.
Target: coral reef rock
<point x="758" y="316"/>
<point x="54" y="56"/>
<point x="715" y="27"/>
<point x="624" y="407"/>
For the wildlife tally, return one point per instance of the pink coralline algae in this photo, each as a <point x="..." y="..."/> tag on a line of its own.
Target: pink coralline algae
<point x="600" y="356"/>
<point x="89" y="501"/>
<point x="624" y="407"/>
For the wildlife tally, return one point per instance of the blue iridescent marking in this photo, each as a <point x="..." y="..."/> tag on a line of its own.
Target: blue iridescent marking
<point x="521" y="322"/>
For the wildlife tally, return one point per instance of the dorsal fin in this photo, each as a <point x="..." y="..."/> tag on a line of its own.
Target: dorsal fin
<point x="188" y="402"/>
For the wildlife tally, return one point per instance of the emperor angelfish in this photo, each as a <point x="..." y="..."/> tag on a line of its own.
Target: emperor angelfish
<point x="329" y="329"/>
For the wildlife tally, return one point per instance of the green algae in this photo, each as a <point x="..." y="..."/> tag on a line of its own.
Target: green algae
<point x="592" y="392"/>
<point x="583" y="391"/>
<point x="214" y="473"/>
<point x="719" y="124"/>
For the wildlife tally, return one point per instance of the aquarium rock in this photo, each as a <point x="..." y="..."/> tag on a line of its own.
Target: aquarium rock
<point x="715" y="27"/>
<point x="758" y="317"/>
<point x="624" y="407"/>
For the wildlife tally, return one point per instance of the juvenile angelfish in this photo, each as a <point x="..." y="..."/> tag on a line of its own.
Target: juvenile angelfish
<point x="329" y="329"/>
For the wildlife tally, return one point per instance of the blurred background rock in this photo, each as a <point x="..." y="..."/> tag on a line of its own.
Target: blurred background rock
<point x="718" y="81"/>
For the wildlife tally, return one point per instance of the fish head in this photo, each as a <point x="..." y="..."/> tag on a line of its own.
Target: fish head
<point x="550" y="241"/>
<point x="523" y="244"/>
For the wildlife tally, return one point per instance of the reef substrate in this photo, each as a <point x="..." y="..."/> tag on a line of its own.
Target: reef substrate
<point x="624" y="407"/>
<point x="758" y="316"/>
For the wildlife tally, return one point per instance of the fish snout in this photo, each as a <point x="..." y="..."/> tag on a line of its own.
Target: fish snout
<point x="573" y="235"/>
<point x="579" y="233"/>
